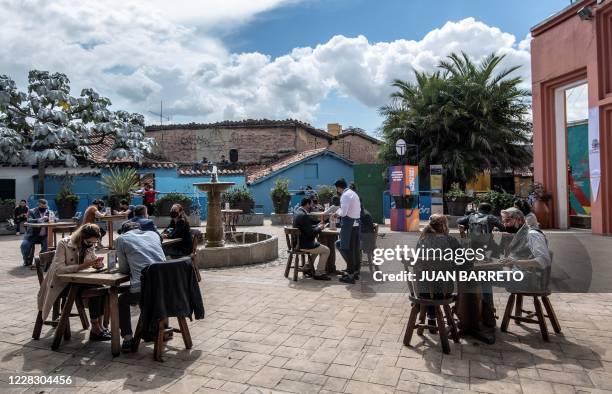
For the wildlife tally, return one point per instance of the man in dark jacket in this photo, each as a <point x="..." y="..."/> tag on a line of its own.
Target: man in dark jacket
<point x="142" y="218"/>
<point x="33" y="236"/>
<point x="480" y="226"/>
<point x="21" y="215"/>
<point x="309" y="228"/>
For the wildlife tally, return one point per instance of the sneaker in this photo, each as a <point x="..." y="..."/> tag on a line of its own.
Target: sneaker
<point x="347" y="279"/>
<point x="17" y="233"/>
<point x="99" y="337"/>
<point x="321" y="277"/>
<point x="126" y="346"/>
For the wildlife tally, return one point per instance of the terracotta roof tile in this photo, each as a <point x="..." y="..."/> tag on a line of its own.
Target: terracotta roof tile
<point x="261" y="171"/>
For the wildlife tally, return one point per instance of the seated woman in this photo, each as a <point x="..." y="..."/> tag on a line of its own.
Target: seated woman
<point x="435" y="236"/>
<point x="178" y="228"/>
<point x="73" y="254"/>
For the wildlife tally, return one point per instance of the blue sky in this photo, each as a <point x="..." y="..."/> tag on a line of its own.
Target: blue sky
<point x="319" y="61"/>
<point x="308" y="24"/>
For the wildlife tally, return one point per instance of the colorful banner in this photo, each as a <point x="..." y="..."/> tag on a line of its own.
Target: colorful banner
<point x="594" y="159"/>
<point x="403" y="180"/>
<point x="436" y="186"/>
<point x="405" y="220"/>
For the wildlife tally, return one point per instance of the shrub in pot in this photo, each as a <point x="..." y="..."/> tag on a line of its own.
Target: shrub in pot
<point x="120" y="183"/>
<point x="325" y="194"/>
<point x="498" y="200"/>
<point x="7" y="209"/>
<point x="281" y="197"/>
<point x="540" y="198"/>
<point x="66" y="202"/>
<point x="456" y="200"/>
<point x="165" y="203"/>
<point x="239" y="198"/>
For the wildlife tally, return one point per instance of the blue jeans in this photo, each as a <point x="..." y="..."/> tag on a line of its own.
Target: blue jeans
<point x="29" y="242"/>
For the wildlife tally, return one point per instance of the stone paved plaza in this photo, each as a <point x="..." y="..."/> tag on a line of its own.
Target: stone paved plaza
<point x="265" y="334"/>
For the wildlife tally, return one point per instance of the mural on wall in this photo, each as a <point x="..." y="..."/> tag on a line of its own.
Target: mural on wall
<point x="579" y="184"/>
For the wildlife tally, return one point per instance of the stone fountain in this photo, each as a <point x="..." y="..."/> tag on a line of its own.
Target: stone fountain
<point x="243" y="248"/>
<point x="214" y="225"/>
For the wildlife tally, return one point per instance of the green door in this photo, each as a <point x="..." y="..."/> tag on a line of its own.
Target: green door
<point x="370" y="187"/>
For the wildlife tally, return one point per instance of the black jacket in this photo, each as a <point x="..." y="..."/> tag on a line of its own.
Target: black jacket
<point x="168" y="289"/>
<point x="308" y="229"/>
<point x="179" y="228"/>
<point x="366" y="221"/>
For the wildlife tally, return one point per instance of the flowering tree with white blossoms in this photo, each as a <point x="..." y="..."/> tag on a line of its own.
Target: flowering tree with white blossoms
<point x="46" y="124"/>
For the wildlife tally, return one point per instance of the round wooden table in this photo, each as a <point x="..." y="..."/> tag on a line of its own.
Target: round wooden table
<point x="109" y="225"/>
<point x="328" y="238"/>
<point x="52" y="229"/>
<point x="230" y="218"/>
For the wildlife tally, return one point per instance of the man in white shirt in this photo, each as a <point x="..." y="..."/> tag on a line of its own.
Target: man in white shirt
<point x="348" y="244"/>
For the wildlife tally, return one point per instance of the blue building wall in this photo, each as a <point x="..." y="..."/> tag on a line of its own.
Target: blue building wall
<point x="167" y="180"/>
<point x="329" y="169"/>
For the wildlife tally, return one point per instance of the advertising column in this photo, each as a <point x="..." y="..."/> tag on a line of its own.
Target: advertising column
<point x="404" y="189"/>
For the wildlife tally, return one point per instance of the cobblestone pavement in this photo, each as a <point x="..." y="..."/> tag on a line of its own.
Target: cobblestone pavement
<point x="263" y="334"/>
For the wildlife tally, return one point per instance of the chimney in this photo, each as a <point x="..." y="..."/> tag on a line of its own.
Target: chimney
<point x="334" y="128"/>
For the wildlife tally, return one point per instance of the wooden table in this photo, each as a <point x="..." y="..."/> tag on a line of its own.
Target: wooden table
<point x="51" y="228"/>
<point x="328" y="238"/>
<point x="230" y="218"/>
<point x="109" y="226"/>
<point x="469" y="306"/>
<point x="90" y="277"/>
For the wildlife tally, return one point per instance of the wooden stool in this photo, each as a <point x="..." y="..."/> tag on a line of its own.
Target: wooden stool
<point x="292" y="236"/>
<point x="442" y="308"/>
<point x="162" y="333"/>
<point x="516" y="300"/>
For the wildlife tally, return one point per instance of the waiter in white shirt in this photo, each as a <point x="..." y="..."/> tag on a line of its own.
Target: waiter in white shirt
<point x="348" y="244"/>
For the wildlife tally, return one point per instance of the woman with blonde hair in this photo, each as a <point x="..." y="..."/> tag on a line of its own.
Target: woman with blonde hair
<point x="73" y="254"/>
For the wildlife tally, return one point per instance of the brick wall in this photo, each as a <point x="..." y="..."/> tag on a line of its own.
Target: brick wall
<point x="356" y="148"/>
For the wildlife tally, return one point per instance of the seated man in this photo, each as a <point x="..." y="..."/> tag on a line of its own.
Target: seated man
<point x="21" y="215"/>
<point x="33" y="236"/>
<point x="141" y="217"/>
<point x="528" y="252"/>
<point x="136" y="249"/>
<point x="126" y="207"/>
<point x="309" y="228"/>
<point x="480" y="226"/>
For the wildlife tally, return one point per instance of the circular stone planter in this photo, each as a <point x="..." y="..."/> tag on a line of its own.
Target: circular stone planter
<point x="249" y="248"/>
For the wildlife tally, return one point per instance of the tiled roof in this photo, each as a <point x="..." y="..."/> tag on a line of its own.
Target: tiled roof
<point x="247" y="123"/>
<point x="191" y="171"/>
<point x="255" y="174"/>
<point x="99" y="151"/>
<point x="368" y="137"/>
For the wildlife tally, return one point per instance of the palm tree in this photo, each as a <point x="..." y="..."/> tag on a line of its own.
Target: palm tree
<point x="465" y="116"/>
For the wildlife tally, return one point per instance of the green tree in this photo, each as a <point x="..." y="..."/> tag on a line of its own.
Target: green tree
<point x="468" y="117"/>
<point x="48" y="125"/>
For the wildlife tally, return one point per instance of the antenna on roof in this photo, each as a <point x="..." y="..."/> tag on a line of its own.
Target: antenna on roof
<point x="160" y="114"/>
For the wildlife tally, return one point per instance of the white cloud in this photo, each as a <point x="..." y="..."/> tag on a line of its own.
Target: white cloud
<point x="138" y="52"/>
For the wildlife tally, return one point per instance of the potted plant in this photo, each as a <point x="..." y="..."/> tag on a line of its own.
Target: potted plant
<point x="326" y="193"/>
<point x="7" y="209"/>
<point x="165" y="203"/>
<point x="456" y="200"/>
<point x="240" y="198"/>
<point x="539" y="197"/>
<point x="119" y="184"/>
<point x="281" y="196"/>
<point x="66" y="202"/>
<point x="498" y="200"/>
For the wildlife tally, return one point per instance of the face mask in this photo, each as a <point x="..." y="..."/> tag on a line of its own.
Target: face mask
<point x="87" y="244"/>
<point x="174" y="215"/>
<point x="42" y="209"/>
<point x="512" y="230"/>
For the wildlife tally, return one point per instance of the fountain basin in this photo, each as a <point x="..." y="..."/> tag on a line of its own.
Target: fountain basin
<point x="249" y="248"/>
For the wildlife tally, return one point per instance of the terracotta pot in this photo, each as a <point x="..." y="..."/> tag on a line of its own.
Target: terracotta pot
<point x="540" y="209"/>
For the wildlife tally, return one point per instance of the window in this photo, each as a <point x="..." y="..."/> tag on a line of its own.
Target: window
<point x="311" y="171"/>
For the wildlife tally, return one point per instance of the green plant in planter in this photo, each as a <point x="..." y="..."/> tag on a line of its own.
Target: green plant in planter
<point x="498" y="200"/>
<point x="6" y="209"/>
<point x="280" y="195"/>
<point x="326" y="193"/>
<point x="239" y="198"/>
<point x="164" y="203"/>
<point x="455" y="193"/>
<point x="65" y="200"/>
<point x="119" y="183"/>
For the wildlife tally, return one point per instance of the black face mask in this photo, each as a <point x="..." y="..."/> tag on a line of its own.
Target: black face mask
<point x="512" y="230"/>
<point x="87" y="245"/>
<point x="174" y="215"/>
<point x="42" y="209"/>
